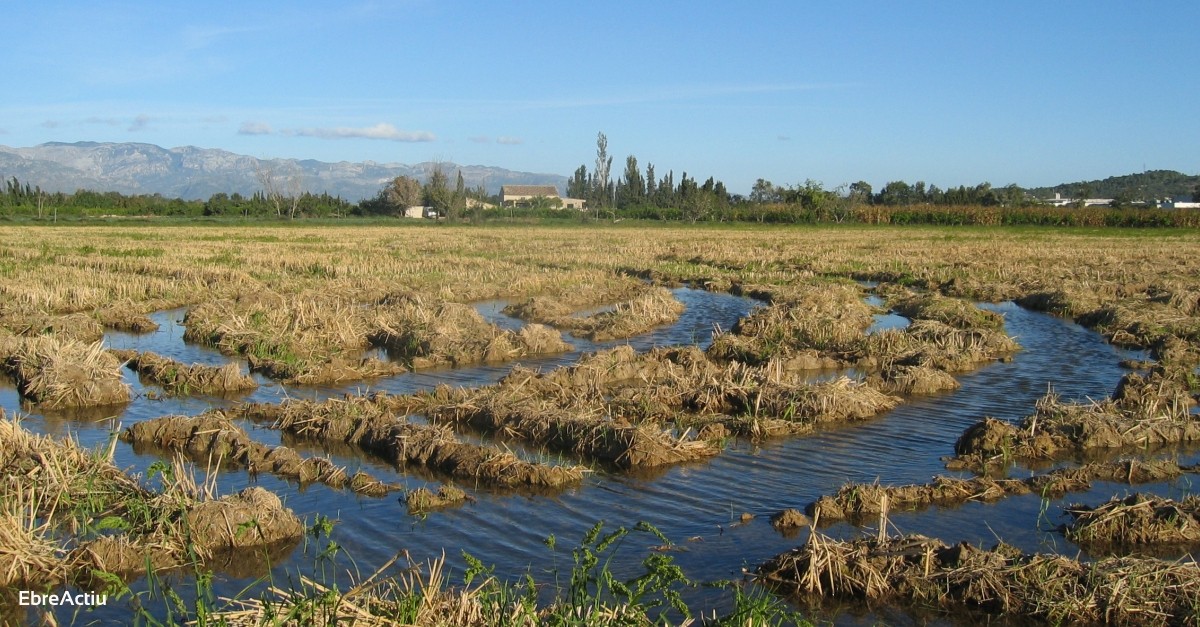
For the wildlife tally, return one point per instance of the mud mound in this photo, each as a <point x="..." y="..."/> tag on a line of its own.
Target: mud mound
<point x="64" y="373"/>
<point x="926" y="572"/>
<point x="934" y="344"/>
<point x="830" y="319"/>
<point x="177" y="378"/>
<point x="1069" y="302"/>
<point x="212" y="437"/>
<point x="789" y="519"/>
<point x="914" y="380"/>
<point x="370" y="426"/>
<point x="252" y="517"/>
<point x="1136" y="520"/>
<point x="584" y="433"/>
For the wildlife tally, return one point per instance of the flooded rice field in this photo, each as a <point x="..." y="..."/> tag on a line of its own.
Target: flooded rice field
<point x="716" y="509"/>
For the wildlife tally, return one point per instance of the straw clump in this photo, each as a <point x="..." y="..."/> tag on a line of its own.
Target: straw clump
<point x="213" y="438"/>
<point x="1137" y="519"/>
<point x="371" y="426"/>
<point x="859" y="502"/>
<point x="655" y="307"/>
<point x="1145" y="411"/>
<point x="453" y="334"/>
<point x="950" y="311"/>
<point x="178" y="378"/>
<point x="61" y="506"/>
<point x="61" y="373"/>
<point x="424" y="499"/>
<point x="926" y="572"/>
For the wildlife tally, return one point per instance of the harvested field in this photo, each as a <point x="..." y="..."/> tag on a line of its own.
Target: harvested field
<point x="863" y="501"/>
<point x="764" y="408"/>
<point x="922" y="571"/>
<point x="212" y="438"/>
<point x="178" y="378"/>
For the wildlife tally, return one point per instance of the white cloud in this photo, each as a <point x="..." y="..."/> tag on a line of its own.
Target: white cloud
<point x="382" y="130"/>
<point x="510" y="141"/>
<point x="254" y="128"/>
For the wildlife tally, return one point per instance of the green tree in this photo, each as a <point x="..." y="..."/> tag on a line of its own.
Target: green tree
<point x="600" y="181"/>
<point x="403" y="192"/>
<point x="632" y="190"/>
<point x="437" y="191"/>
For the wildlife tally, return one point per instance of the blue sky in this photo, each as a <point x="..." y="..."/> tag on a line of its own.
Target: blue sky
<point x="951" y="93"/>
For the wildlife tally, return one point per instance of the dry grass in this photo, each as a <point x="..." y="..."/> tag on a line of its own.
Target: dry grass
<point x="858" y="501"/>
<point x="926" y="572"/>
<point x="213" y="439"/>
<point x="178" y="378"/>
<point x="1136" y="520"/>
<point x="652" y="308"/>
<point x="65" y="373"/>
<point x="56" y="498"/>
<point x="1145" y="411"/>
<point x="371" y="425"/>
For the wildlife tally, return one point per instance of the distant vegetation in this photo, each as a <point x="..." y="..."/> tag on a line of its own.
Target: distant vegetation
<point x="643" y="194"/>
<point x="1154" y="184"/>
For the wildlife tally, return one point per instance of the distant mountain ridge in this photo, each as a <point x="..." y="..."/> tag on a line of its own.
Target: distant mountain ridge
<point x="195" y="173"/>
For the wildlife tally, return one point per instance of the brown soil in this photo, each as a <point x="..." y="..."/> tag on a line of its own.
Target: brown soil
<point x="369" y="425"/>
<point x="213" y="438"/>
<point x="790" y="519"/>
<point x="177" y="378"/>
<point x="252" y="517"/>
<point x="862" y="501"/>
<point x="926" y="572"/>
<point x="1136" y="520"/>
<point x="64" y="373"/>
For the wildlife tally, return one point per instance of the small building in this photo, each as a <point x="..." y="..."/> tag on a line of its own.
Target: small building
<point x="525" y="195"/>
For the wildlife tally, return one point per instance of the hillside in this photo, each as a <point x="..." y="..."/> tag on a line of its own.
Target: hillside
<point x="1150" y="184"/>
<point x="195" y="173"/>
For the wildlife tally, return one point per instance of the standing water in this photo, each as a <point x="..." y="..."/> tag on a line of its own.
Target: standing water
<point x="699" y="505"/>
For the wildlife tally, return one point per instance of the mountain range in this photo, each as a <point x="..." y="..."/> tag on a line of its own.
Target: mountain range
<point x="195" y="173"/>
